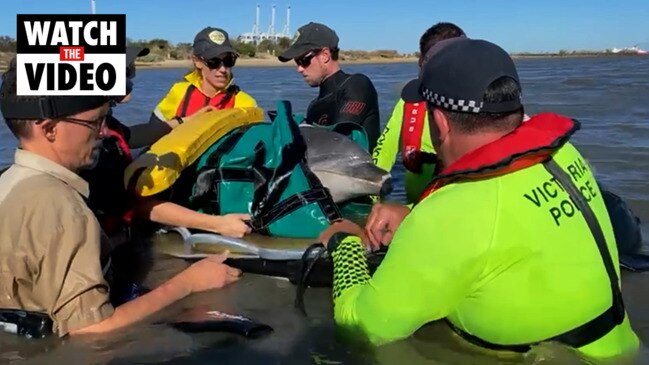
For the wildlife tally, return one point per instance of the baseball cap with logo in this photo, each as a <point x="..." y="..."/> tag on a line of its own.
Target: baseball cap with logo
<point x="309" y="37"/>
<point x="456" y="74"/>
<point x="211" y="42"/>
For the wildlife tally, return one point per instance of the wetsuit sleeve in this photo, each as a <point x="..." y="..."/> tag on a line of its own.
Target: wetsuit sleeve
<point x="359" y="103"/>
<point x="428" y="270"/>
<point x="140" y="135"/>
<point x="114" y="124"/>
<point x="387" y="146"/>
<point x="244" y="100"/>
<point x="146" y="134"/>
<point x="166" y="109"/>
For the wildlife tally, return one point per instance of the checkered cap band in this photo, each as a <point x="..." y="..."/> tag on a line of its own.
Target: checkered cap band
<point x="468" y="106"/>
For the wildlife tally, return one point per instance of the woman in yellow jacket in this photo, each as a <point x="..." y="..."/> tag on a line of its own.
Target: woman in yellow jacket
<point x="211" y="82"/>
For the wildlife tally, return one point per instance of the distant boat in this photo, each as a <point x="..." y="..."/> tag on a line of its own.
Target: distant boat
<point x="634" y="49"/>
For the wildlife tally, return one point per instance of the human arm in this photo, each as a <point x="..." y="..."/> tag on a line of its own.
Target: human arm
<point x="162" y="117"/>
<point x="209" y="273"/>
<point x="358" y="101"/>
<point x="428" y="270"/>
<point x="176" y="215"/>
<point x="146" y="134"/>
<point x="387" y="146"/>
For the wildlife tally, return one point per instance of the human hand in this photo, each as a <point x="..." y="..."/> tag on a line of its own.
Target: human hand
<point x="383" y="221"/>
<point x="232" y="225"/>
<point x="342" y="225"/>
<point x="208" y="273"/>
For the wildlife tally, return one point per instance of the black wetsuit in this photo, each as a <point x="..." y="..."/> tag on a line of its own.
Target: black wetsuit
<point x="108" y="197"/>
<point x="123" y="249"/>
<point x="347" y="98"/>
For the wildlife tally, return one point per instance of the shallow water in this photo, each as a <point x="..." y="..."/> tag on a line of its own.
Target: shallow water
<point x="607" y="95"/>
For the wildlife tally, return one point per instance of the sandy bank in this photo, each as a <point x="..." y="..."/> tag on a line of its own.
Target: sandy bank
<point x="270" y="62"/>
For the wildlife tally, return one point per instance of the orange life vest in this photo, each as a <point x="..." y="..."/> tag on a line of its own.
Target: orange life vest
<point x="529" y="144"/>
<point x="194" y="100"/>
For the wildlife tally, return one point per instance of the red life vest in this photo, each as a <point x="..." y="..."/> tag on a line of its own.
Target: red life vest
<point x="412" y="129"/>
<point x="194" y="100"/>
<point x="121" y="142"/>
<point x="529" y="144"/>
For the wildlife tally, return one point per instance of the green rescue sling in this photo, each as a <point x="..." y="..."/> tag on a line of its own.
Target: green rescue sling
<point x="261" y="169"/>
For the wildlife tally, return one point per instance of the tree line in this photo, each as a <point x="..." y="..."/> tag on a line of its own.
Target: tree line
<point x="162" y="49"/>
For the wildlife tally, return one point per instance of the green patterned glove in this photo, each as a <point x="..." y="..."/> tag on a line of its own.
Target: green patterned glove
<point x="350" y="264"/>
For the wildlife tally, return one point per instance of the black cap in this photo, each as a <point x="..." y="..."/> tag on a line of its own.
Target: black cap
<point x="457" y="73"/>
<point x="309" y="37"/>
<point x="211" y="42"/>
<point x="41" y="107"/>
<point x="134" y="52"/>
<point x="131" y="54"/>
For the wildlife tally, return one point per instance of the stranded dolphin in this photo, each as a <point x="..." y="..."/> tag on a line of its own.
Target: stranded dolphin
<point x="343" y="166"/>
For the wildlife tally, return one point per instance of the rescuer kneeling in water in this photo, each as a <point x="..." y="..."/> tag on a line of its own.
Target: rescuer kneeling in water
<point x="50" y="273"/>
<point x="511" y="243"/>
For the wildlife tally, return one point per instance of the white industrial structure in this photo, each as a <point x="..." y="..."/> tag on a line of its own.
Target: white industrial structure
<point x="257" y="36"/>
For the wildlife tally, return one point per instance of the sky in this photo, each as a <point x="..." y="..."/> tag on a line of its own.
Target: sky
<point x="517" y="26"/>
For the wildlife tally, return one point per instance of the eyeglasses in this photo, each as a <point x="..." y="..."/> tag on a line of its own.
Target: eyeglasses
<point x="95" y="125"/>
<point x="214" y="63"/>
<point x="305" y="61"/>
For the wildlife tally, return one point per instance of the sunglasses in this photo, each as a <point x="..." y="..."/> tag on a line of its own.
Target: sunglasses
<point x="305" y="61"/>
<point x="228" y="61"/>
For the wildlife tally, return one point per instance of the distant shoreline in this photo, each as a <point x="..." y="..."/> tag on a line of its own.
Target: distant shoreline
<point x="573" y="55"/>
<point x="273" y="62"/>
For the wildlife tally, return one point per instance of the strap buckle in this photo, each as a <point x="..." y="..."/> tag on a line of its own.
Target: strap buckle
<point x="47" y="107"/>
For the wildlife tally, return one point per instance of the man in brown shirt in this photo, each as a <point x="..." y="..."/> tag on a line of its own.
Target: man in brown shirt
<point x="49" y="238"/>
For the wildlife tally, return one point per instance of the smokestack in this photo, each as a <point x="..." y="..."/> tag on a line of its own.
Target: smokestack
<point x="287" y="26"/>
<point x="271" y="30"/>
<point x="255" y="29"/>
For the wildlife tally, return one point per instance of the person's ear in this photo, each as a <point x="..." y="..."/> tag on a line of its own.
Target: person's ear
<point x="198" y="63"/>
<point x="325" y="55"/>
<point x="442" y="124"/>
<point x="47" y="128"/>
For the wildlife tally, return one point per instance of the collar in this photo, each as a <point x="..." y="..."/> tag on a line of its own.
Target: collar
<point x="529" y="144"/>
<point x="195" y="79"/>
<point x="37" y="162"/>
<point x="332" y="82"/>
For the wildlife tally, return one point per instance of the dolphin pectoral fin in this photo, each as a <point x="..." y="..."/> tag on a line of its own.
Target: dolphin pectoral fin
<point x="229" y="243"/>
<point x="242" y="247"/>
